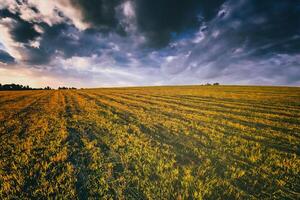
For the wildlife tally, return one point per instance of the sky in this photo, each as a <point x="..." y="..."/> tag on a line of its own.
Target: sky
<point x="104" y="43"/>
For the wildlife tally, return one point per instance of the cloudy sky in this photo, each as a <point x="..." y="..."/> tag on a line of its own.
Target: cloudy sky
<point x="96" y="43"/>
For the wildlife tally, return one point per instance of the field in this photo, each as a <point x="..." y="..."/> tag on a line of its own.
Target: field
<point x="187" y="142"/>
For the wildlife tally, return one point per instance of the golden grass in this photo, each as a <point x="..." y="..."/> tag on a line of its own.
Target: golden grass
<point x="186" y="142"/>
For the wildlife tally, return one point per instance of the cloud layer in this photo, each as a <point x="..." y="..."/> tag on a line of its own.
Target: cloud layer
<point x="141" y="42"/>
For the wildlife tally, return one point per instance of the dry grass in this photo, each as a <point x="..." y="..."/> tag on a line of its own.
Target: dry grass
<point x="189" y="142"/>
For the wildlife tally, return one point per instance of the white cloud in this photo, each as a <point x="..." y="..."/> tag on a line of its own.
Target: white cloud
<point x="77" y="63"/>
<point x="128" y="9"/>
<point x="200" y="36"/>
<point x="35" y="43"/>
<point x="48" y="11"/>
<point x="12" y="47"/>
<point x="170" y="58"/>
<point x="125" y="12"/>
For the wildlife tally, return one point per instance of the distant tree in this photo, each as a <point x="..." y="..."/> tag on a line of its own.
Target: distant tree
<point x="216" y="84"/>
<point x="208" y="84"/>
<point x="63" y="88"/>
<point x="47" y="88"/>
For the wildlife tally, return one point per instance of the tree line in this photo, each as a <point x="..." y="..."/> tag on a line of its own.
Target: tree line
<point x="208" y="84"/>
<point x="67" y="88"/>
<point x="14" y="86"/>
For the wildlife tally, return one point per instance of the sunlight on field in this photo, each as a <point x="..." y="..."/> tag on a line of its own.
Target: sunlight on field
<point x="188" y="142"/>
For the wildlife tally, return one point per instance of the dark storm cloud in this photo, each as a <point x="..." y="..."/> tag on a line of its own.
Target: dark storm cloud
<point x="159" y="19"/>
<point x="156" y="19"/>
<point x="248" y="30"/>
<point x="270" y="25"/>
<point x="22" y="30"/>
<point x="63" y="40"/>
<point x="6" y="58"/>
<point x="101" y="13"/>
